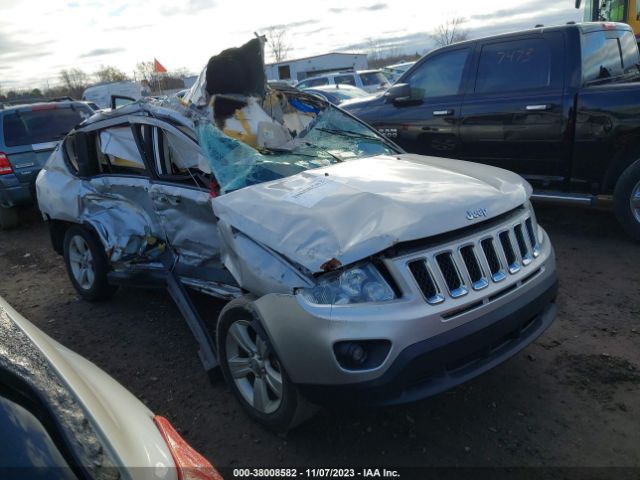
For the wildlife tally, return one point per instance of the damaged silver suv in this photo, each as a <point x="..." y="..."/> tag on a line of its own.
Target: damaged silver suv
<point x="356" y="272"/>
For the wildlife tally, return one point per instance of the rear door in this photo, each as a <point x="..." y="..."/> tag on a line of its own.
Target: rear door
<point x="30" y="134"/>
<point x="513" y="116"/>
<point x="428" y="122"/>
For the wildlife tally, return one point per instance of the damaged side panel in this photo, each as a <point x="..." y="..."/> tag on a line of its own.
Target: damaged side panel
<point x="256" y="267"/>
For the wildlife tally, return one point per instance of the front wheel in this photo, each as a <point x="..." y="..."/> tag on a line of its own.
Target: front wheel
<point x="87" y="264"/>
<point x="254" y="372"/>
<point x="626" y="198"/>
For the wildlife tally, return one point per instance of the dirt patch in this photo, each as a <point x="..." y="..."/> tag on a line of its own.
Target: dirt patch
<point x="599" y="375"/>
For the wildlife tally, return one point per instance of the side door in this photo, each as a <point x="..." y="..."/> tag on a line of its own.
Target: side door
<point x="426" y="122"/>
<point x="514" y="114"/>
<point x="116" y="199"/>
<point x="181" y="195"/>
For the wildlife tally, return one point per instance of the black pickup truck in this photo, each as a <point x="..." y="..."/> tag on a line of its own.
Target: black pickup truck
<point x="558" y="105"/>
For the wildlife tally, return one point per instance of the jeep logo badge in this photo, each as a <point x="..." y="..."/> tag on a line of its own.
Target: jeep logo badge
<point x="473" y="214"/>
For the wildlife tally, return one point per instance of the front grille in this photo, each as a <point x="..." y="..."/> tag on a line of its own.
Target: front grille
<point x="473" y="265"/>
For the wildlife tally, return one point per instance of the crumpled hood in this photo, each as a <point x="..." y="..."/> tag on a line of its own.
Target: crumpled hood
<point x="354" y="209"/>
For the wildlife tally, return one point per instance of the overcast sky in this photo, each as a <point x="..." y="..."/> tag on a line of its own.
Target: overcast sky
<point x="38" y="38"/>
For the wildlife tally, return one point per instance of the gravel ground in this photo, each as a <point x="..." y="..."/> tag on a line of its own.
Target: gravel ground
<point x="570" y="399"/>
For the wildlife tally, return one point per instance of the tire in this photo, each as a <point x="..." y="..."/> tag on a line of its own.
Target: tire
<point x="626" y="200"/>
<point x="87" y="265"/>
<point x="240" y="337"/>
<point x="8" y="218"/>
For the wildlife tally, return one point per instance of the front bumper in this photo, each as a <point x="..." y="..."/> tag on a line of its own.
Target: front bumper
<point x="432" y="347"/>
<point x="439" y="363"/>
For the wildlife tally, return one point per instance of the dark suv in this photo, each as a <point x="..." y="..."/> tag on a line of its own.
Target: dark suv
<point x="28" y="135"/>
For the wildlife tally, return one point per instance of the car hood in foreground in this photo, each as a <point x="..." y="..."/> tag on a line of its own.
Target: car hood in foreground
<point x="351" y="210"/>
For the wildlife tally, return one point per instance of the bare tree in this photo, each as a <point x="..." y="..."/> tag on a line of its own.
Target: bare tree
<point x="75" y="81"/>
<point x="108" y="73"/>
<point x="374" y="49"/>
<point x="278" y="42"/>
<point x="449" y="32"/>
<point x="146" y="71"/>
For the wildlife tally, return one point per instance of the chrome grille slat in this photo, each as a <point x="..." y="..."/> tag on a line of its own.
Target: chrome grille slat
<point x="532" y="237"/>
<point x="474" y="268"/>
<point x="491" y="254"/>
<point x="456" y="270"/>
<point x="523" y="246"/>
<point x="427" y="284"/>
<point x="451" y="274"/>
<point x="509" y="252"/>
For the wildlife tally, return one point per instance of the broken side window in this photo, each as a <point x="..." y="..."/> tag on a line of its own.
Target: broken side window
<point x="69" y="149"/>
<point x="118" y="152"/>
<point x="178" y="159"/>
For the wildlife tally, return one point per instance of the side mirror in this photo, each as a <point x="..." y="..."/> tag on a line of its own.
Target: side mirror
<point x="398" y="93"/>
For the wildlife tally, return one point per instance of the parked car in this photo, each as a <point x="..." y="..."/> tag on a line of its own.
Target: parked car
<point x="336" y="94"/>
<point x="394" y="72"/>
<point x="552" y="104"/>
<point x="356" y="272"/>
<point x="369" y="80"/>
<point x="62" y="417"/>
<point x="28" y="135"/>
<point x="102" y="93"/>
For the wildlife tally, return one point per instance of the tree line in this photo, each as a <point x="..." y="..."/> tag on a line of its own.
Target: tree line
<point x="74" y="81"/>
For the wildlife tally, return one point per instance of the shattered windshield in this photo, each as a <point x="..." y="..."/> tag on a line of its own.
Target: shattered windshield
<point x="280" y="135"/>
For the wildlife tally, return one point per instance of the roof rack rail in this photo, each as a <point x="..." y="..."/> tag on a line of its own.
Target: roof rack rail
<point x="27" y="101"/>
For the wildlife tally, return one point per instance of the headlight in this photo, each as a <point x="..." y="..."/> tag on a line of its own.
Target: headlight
<point x="356" y="285"/>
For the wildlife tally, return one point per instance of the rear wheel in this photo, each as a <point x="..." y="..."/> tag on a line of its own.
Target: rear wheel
<point x="626" y="199"/>
<point x="254" y="372"/>
<point x="87" y="265"/>
<point x="8" y="218"/>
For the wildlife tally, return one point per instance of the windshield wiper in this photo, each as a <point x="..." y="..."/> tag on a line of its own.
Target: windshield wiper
<point x="349" y="133"/>
<point x="286" y="152"/>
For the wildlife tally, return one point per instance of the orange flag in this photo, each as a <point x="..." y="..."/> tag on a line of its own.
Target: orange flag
<point x="157" y="67"/>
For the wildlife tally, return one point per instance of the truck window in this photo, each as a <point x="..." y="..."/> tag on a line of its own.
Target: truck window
<point x="440" y="75"/>
<point x="607" y="54"/>
<point x="515" y="65"/>
<point x="342" y="79"/>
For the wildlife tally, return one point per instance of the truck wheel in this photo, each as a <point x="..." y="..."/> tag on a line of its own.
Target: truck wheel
<point x="626" y="198"/>
<point x="253" y="371"/>
<point x="87" y="265"/>
<point x="8" y="218"/>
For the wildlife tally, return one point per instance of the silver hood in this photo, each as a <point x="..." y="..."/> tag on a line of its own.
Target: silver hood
<point x="351" y="210"/>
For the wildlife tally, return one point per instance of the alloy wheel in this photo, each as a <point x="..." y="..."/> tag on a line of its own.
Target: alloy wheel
<point x="81" y="262"/>
<point x="255" y="370"/>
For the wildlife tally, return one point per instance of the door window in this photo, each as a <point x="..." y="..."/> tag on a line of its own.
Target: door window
<point x="515" y="65"/>
<point x="118" y="152"/>
<point x="314" y="82"/>
<point x="608" y="54"/>
<point x="341" y="79"/>
<point x="179" y="159"/>
<point x="439" y="76"/>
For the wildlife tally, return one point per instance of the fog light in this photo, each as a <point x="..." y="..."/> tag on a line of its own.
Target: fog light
<point x="361" y="355"/>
